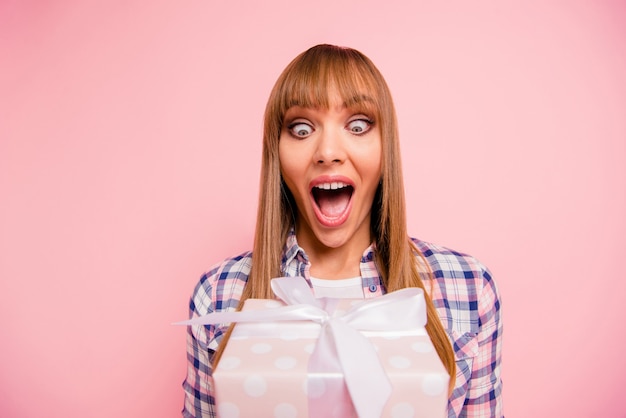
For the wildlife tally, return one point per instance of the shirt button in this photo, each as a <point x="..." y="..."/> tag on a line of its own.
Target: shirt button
<point x="373" y="288"/>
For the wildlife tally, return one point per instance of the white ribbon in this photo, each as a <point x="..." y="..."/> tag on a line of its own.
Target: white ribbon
<point x="340" y="346"/>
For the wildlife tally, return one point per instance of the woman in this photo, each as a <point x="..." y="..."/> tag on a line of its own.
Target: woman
<point x="332" y="210"/>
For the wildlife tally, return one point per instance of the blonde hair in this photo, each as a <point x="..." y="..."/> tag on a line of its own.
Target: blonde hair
<point x="306" y="82"/>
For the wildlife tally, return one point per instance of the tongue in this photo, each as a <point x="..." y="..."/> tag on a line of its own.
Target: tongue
<point x="333" y="203"/>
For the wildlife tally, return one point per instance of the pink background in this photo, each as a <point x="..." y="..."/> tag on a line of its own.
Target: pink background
<point x="129" y="159"/>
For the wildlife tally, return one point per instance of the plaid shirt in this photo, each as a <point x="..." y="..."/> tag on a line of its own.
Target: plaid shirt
<point x="463" y="292"/>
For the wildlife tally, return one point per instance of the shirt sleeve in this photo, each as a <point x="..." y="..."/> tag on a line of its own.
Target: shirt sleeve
<point x="484" y="396"/>
<point x="198" y="384"/>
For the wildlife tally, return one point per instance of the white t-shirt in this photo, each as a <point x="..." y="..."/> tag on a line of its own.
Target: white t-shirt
<point x="341" y="288"/>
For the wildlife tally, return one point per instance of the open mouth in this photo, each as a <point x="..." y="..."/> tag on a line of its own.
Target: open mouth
<point x="332" y="199"/>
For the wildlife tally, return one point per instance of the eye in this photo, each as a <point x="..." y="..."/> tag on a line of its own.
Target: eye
<point x="300" y="129"/>
<point x="359" y="126"/>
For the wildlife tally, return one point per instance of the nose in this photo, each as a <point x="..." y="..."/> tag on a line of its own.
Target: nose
<point x="330" y="147"/>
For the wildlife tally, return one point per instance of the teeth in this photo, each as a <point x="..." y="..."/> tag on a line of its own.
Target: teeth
<point x="332" y="186"/>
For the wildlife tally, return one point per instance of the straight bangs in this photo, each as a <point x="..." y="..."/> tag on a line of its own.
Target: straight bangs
<point x="314" y="78"/>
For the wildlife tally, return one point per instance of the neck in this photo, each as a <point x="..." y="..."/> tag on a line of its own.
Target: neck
<point x="334" y="262"/>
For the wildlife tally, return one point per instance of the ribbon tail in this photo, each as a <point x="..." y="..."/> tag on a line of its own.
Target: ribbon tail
<point x="326" y="387"/>
<point x="364" y="375"/>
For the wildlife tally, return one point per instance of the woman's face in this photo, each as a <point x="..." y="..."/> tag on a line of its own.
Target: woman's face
<point x="331" y="161"/>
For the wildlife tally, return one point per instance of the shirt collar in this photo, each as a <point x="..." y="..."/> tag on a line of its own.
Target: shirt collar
<point x="292" y="250"/>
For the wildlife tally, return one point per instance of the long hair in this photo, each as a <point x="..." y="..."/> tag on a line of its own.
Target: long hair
<point x="306" y="82"/>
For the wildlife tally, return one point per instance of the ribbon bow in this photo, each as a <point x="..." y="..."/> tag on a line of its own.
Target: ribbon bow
<point x="341" y="347"/>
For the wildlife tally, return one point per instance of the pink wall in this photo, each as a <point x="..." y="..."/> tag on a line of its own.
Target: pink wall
<point x="129" y="156"/>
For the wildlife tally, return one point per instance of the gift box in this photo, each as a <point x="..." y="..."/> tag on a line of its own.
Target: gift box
<point x="303" y="357"/>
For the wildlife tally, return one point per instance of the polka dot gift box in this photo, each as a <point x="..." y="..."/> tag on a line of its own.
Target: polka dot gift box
<point x="307" y="357"/>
